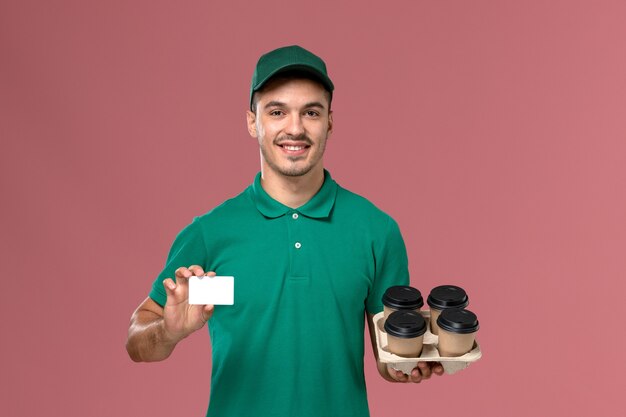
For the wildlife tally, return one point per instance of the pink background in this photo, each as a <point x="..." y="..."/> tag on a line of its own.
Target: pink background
<point x="494" y="132"/>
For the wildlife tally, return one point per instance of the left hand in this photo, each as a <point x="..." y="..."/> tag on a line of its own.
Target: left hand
<point x="422" y="371"/>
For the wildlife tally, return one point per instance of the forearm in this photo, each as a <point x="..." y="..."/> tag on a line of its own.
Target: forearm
<point x="147" y="340"/>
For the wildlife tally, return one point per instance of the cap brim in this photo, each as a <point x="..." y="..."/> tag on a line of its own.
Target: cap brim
<point x="324" y="80"/>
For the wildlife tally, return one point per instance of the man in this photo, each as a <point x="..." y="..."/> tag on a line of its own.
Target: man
<point x="311" y="262"/>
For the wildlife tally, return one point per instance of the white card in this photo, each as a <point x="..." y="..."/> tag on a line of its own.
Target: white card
<point x="212" y="290"/>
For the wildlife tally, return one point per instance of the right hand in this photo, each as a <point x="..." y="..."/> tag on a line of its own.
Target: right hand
<point x="179" y="317"/>
<point x="421" y="372"/>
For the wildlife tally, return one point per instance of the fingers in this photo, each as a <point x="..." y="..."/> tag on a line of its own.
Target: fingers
<point x="196" y="270"/>
<point x="396" y="375"/>
<point x="422" y="371"/>
<point x="179" y="289"/>
<point x="169" y="286"/>
<point x="182" y="275"/>
<point x="416" y="376"/>
<point x="437" y="368"/>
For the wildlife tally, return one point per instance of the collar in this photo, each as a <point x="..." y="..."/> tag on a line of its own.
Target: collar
<point x="318" y="207"/>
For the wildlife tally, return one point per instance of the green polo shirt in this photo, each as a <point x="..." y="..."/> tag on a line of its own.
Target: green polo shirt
<point x="293" y="342"/>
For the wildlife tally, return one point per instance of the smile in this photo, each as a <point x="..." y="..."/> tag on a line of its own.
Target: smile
<point x="295" y="149"/>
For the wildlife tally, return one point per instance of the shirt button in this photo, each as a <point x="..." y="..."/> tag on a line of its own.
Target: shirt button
<point x="294" y="216"/>
<point x="298" y="245"/>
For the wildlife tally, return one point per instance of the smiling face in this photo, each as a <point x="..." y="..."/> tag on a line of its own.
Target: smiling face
<point x="292" y="121"/>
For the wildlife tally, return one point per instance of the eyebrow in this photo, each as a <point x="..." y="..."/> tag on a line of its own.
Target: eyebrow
<point x="281" y="104"/>
<point x="315" y="104"/>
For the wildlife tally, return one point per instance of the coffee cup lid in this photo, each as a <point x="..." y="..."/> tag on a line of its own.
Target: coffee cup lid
<point x="458" y="320"/>
<point x="405" y="324"/>
<point x="403" y="297"/>
<point x="447" y="296"/>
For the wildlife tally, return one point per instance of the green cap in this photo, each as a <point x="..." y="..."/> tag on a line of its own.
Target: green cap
<point x="285" y="59"/>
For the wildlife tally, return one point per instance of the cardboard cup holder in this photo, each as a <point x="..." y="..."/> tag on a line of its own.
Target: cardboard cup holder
<point x="429" y="351"/>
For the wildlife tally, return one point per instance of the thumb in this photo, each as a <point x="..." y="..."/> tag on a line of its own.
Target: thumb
<point x="207" y="311"/>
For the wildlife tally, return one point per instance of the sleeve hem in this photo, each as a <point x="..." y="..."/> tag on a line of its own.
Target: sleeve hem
<point x="374" y="309"/>
<point x="157" y="298"/>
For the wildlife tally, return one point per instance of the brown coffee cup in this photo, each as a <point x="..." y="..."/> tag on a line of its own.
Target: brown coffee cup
<point x="457" y="331"/>
<point x="405" y="333"/>
<point x="443" y="297"/>
<point x="402" y="297"/>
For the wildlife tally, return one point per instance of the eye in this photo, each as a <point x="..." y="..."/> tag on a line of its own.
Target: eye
<point x="276" y="113"/>
<point x="312" y="113"/>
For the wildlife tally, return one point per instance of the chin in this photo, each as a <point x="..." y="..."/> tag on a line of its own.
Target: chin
<point x="295" y="172"/>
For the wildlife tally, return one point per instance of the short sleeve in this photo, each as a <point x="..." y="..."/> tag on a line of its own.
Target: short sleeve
<point x="188" y="249"/>
<point x="391" y="266"/>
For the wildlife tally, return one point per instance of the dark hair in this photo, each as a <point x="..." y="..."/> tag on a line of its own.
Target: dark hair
<point x="288" y="76"/>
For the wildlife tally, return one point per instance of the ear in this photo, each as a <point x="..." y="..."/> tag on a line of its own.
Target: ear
<point x="251" y="120"/>
<point x="330" y="122"/>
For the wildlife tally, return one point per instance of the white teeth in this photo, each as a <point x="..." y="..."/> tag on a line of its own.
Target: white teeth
<point x="293" y="148"/>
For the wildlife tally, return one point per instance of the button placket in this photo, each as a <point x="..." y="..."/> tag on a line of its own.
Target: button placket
<point x="296" y="245"/>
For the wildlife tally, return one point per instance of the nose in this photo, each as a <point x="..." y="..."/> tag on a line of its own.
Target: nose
<point x="294" y="125"/>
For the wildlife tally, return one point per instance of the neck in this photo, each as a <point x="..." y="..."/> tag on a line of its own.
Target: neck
<point x="292" y="191"/>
